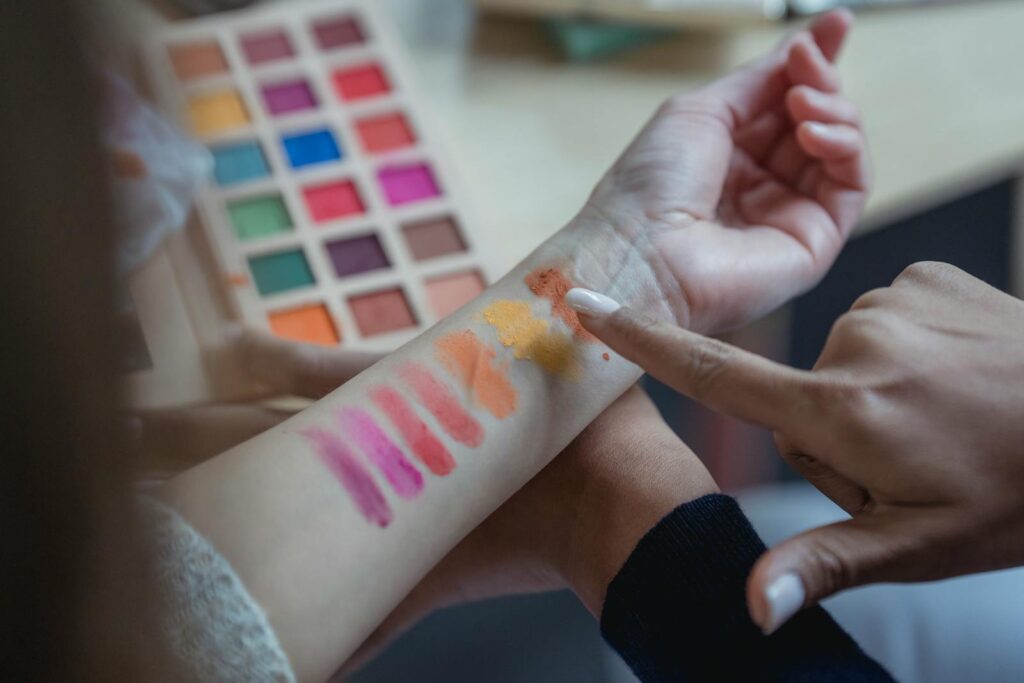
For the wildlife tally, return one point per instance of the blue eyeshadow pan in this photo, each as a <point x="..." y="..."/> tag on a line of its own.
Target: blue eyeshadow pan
<point x="313" y="147"/>
<point x="238" y="163"/>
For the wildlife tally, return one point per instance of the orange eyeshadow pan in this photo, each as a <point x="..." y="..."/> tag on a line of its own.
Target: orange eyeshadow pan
<point x="311" y="324"/>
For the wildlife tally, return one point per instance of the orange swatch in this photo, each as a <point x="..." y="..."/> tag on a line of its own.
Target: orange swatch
<point x="552" y="284"/>
<point x="472" y="362"/>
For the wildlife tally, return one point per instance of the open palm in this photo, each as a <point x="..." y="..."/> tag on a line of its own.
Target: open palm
<point x="748" y="188"/>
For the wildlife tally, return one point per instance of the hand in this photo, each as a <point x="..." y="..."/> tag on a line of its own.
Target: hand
<point x="171" y="441"/>
<point x="573" y="525"/>
<point x="912" y="420"/>
<point x="742" y="194"/>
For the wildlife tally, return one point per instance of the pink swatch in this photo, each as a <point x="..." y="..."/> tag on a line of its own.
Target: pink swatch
<point x="442" y="404"/>
<point x="353" y="477"/>
<point x="427" y="447"/>
<point x="403" y="477"/>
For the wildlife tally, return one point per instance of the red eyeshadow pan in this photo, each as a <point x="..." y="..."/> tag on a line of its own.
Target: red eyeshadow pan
<point x="267" y="47"/>
<point x="333" y="200"/>
<point x="360" y="82"/>
<point x="384" y="133"/>
<point x="381" y="312"/>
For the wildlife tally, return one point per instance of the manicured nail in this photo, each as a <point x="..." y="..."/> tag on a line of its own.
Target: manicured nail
<point x="820" y="130"/>
<point x="785" y="596"/>
<point x="591" y="303"/>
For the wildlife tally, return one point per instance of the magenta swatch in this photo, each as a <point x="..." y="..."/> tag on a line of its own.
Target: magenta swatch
<point x="282" y="98"/>
<point x="352" y="475"/>
<point x="405" y="479"/>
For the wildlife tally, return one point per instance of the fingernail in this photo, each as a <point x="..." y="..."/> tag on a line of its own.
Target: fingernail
<point x="785" y="596"/>
<point x="591" y="303"/>
<point x="819" y="130"/>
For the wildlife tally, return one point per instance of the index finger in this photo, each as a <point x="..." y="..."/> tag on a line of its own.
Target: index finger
<point x="719" y="375"/>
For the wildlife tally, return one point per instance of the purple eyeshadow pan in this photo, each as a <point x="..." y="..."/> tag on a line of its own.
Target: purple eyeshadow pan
<point x="289" y="96"/>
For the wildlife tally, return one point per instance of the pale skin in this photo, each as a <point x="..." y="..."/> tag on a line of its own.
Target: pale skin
<point x="911" y="421"/>
<point x="727" y="203"/>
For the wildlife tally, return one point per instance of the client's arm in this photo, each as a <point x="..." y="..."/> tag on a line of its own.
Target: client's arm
<point x="731" y="200"/>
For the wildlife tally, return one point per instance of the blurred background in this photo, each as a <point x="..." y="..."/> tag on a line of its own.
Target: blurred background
<point x="535" y="98"/>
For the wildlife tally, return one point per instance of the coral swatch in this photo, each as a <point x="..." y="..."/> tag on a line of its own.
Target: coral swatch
<point x="472" y="362"/>
<point x="442" y="404"/>
<point x="353" y="477"/>
<point x="427" y="447"/>
<point x="529" y="337"/>
<point x="389" y="459"/>
<point x="552" y="284"/>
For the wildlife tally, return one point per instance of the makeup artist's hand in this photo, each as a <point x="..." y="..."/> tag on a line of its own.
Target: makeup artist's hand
<point x="912" y="420"/>
<point x="741" y="194"/>
<point x="173" y="440"/>
<point x="573" y="525"/>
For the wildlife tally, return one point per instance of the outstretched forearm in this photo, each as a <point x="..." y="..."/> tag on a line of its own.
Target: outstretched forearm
<point x="333" y="516"/>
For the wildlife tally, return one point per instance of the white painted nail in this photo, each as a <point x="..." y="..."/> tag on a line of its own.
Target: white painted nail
<point x="591" y="303"/>
<point x="785" y="597"/>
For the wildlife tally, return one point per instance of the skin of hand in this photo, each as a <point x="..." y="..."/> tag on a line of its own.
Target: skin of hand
<point x="741" y="194"/>
<point x="912" y="420"/>
<point x="573" y="525"/>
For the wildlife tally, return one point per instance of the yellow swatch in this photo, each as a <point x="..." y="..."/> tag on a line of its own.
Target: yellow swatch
<point x="214" y="112"/>
<point x="531" y="338"/>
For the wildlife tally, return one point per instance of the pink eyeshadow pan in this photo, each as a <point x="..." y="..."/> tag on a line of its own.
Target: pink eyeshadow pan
<point x="288" y="96"/>
<point x="407" y="184"/>
<point x="449" y="293"/>
<point x="381" y="312"/>
<point x="267" y="47"/>
<point x="338" y="32"/>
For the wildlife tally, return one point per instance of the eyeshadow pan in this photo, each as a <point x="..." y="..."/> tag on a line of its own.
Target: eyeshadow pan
<point x="289" y="96"/>
<point x="196" y="60"/>
<point x="449" y="293"/>
<point x="267" y="46"/>
<point x="381" y="312"/>
<point x="338" y="32"/>
<point x="359" y="82"/>
<point x="280" y="272"/>
<point x="357" y="255"/>
<point x="313" y="147"/>
<point x="259" y="217"/>
<point x="333" y="200"/>
<point x="433" y="238"/>
<point x="408" y="183"/>
<point x="384" y="133"/>
<point x="218" y="111"/>
<point x="238" y="163"/>
<point x="311" y="324"/>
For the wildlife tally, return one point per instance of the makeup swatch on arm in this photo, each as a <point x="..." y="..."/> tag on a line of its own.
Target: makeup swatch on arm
<point x="471" y="362"/>
<point x="425" y="446"/>
<point x="352" y="476"/>
<point x="552" y="284"/>
<point x="389" y="459"/>
<point x="530" y="338"/>
<point x="439" y="400"/>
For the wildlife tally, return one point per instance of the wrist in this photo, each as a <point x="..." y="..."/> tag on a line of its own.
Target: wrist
<point x="617" y="506"/>
<point x="610" y="251"/>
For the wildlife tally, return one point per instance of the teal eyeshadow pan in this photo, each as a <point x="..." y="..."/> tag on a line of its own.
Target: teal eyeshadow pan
<point x="280" y="272"/>
<point x="238" y="163"/>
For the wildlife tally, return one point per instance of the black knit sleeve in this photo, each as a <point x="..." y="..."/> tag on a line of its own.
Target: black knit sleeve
<point x="676" y="611"/>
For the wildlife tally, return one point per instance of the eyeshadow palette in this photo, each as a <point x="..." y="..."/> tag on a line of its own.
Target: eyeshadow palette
<point x="332" y="215"/>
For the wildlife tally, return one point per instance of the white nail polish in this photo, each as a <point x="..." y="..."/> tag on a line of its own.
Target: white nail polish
<point x="785" y="597"/>
<point x="591" y="303"/>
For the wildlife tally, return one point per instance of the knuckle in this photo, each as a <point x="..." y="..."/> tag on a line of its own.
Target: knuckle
<point x="927" y="272"/>
<point x="699" y="105"/>
<point x="706" y="362"/>
<point x="875" y="298"/>
<point x="826" y="566"/>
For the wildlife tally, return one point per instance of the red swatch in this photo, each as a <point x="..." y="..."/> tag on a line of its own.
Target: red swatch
<point x="427" y="447"/>
<point x="334" y="200"/>
<point x="442" y="404"/>
<point x="353" y="477"/>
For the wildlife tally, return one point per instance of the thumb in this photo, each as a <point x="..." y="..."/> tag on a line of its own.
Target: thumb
<point x="818" y="563"/>
<point x="723" y="377"/>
